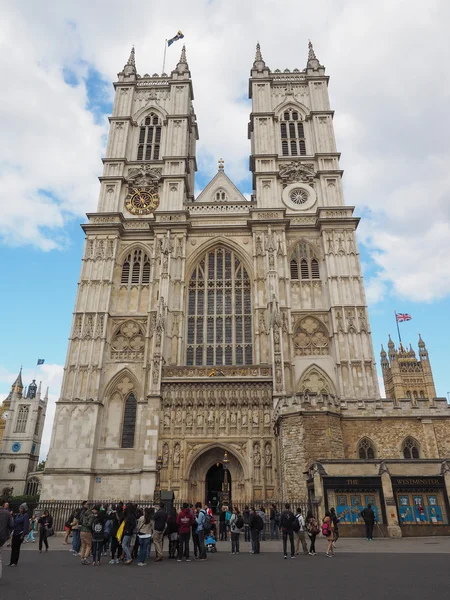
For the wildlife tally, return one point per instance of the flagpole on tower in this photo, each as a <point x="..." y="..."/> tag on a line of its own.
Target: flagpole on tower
<point x="398" y="328"/>
<point x="164" y="59"/>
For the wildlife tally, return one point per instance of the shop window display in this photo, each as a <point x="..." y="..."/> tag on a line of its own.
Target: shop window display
<point x="349" y="505"/>
<point x="420" y="508"/>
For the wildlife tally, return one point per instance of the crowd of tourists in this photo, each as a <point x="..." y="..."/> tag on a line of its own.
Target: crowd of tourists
<point x="126" y="533"/>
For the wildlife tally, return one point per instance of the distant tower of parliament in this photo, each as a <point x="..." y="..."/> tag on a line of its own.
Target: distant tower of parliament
<point x="213" y="324"/>
<point x="22" y="417"/>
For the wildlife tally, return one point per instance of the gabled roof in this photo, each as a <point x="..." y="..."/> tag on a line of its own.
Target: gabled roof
<point x="221" y="182"/>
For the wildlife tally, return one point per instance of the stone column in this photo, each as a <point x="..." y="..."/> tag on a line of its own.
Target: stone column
<point x="393" y="526"/>
<point x="319" y="495"/>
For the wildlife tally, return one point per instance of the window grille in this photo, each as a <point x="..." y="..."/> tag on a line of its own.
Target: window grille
<point x="219" y="327"/>
<point x="139" y="272"/>
<point x="366" y="449"/>
<point x="411" y="448"/>
<point x="129" y="422"/>
<point x="292" y="134"/>
<point x="149" y="144"/>
<point x="304" y="263"/>
<point x="22" y="419"/>
<point x="11" y="468"/>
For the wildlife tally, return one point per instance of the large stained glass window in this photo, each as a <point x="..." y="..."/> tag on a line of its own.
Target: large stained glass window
<point x="219" y="328"/>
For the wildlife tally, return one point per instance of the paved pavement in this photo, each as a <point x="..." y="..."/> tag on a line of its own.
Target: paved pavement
<point x="350" y="575"/>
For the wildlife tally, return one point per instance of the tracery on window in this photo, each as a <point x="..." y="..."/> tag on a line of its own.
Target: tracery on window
<point x="128" y="342"/>
<point x="411" y="448"/>
<point x="292" y="134"/>
<point x="311" y="338"/>
<point x="366" y="449"/>
<point x="220" y="196"/>
<point x="149" y="145"/>
<point x="32" y="488"/>
<point x="219" y="328"/>
<point x="136" y="269"/>
<point x="22" y="419"/>
<point x="304" y="263"/>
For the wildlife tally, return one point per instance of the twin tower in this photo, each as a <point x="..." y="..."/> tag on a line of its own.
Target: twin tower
<point x="215" y="324"/>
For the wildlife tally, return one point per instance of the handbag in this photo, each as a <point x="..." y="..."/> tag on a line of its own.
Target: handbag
<point x="50" y="531"/>
<point x="119" y="534"/>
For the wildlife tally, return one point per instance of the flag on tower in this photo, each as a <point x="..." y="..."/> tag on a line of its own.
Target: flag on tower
<point x="41" y="361"/>
<point x="179" y="36"/>
<point x="401" y="317"/>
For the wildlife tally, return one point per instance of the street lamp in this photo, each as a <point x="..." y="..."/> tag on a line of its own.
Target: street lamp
<point x="225" y="484"/>
<point x="157" y="492"/>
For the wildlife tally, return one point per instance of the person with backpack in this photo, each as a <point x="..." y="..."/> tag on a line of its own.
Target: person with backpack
<point x="86" y="536"/>
<point x="287" y="521"/>
<point x="144" y="531"/>
<point x="336" y="521"/>
<point x="256" y="526"/>
<point x="312" y="527"/>
<point x="300" y="533"/>
<point x="262" y="513"/>
<point x="6" y="526"/>
<point x="274" y="523"/>
<point x="202" y="529"/>
<point x="369" y="519"/>
<point x="236" y="525"/>
<point x="327" y="532"/>
<point x="45" y="530"/>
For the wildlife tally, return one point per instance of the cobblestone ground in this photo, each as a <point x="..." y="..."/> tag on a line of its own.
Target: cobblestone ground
<point x="408" y="570"/>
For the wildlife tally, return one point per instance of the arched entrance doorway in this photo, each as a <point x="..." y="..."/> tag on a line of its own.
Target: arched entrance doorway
<point x="206" y="476"/>
<point x="215" y="490"/>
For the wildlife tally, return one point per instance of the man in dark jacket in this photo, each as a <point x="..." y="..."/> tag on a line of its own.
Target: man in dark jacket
<point x="369" y="519"/>
<point x="256" y="526"/>
<point x="286" y="523"/>
<point x="185" y="520"/>
<point x="274" y="522"/>
<point x="6" y="526"/>
<point x="158" y="530"/>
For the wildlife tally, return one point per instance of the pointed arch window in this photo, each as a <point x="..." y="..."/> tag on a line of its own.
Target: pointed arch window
<point x="129" y="422"/>
<point x="32" y="488"/>
<point x="22" y="419"/>
<point x="136" y="269"/>
<point x="11" y="468"/>
<point x="305" y="257"/>
<point x="292" y="134"/>
<point x="366" y="449"/>
<point x="411" y="448"/>
<point x="149" y="146"/>
<point x="219" y="327"/>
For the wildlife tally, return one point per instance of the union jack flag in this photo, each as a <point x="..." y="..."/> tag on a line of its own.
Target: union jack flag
<point x="401" y="317"/>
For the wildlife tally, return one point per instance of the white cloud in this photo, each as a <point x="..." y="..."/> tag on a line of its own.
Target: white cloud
<point x="50" y="376"/>
<point x="387" y="85"/>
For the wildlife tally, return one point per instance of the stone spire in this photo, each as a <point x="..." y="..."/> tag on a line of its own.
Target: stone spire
<point x="182" y="65"/>
<point x="313" y="62"/>
<point x="132" y="60"/>
<point x="32" y="390"/>
<point x="258" y="63"/>
<point x="17" y="386"/>
<point x="384" y="360"/>
<point x="421" y="342"/>
<point x="130" y="67"/>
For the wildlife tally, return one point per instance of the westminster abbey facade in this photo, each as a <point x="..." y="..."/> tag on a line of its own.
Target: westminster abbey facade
<point x="213" y="324"/>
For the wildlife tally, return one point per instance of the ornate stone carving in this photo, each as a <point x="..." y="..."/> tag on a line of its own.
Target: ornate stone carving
<point x="144" y="176"/>
<point x="311" y="338"/>
<point x="297" y="171"/>
<point x="128" y="342"/>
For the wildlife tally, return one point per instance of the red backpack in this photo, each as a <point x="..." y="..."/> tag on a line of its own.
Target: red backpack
<point x="326" y="528"/>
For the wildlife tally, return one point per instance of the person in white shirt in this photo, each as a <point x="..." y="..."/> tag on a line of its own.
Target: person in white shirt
<point x="301" y="533"/>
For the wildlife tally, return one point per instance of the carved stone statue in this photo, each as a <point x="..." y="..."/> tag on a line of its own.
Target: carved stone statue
<point x="189" y="419"/>
<point x="166" y="419"/>
<point x="222" y="419"/>
<point x="256" y="455"/>
<point x="200" y="419"/>
<point x="255" y="417"/>
<point x="244" y="418"/>
<point x="165" y="455"/>
<point x="268" y="454"/>
<point x="176" y="456"/>
<point x="211" y="418"/>
<point x="233" y="419"/>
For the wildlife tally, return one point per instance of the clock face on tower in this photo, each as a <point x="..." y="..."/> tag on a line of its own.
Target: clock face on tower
<point x="142" y="200"/>
<point x="5" y="415"/>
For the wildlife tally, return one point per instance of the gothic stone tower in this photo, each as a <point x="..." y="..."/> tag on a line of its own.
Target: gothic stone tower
<point x="212" y="325"/>
<point x="406" y="377"/>
<point x="24" y="419"/>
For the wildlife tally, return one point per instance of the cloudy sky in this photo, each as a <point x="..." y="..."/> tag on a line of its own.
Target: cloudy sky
<point x="388" y="62"/>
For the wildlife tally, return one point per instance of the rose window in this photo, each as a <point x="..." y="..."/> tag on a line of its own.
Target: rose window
<point x="299" y="196"/>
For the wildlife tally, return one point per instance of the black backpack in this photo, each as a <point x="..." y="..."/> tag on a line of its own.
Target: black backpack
<point x="259" y="523"/>
<point x="296" y="525"/>
<point x="207" y="523"/>
<point x="239" y="523"/>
